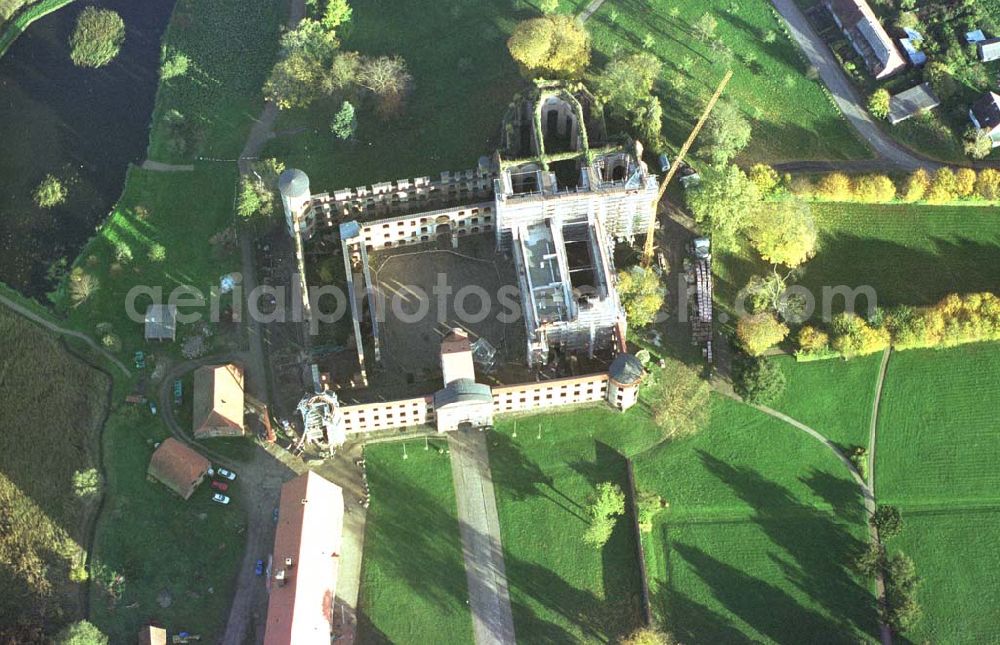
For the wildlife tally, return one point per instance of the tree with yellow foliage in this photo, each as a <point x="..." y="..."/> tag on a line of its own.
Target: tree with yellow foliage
<point x="555" y="45"/>
<point x="760" y="332"/>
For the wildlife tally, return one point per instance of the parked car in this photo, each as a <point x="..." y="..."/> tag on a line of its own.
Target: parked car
<point x="178" y="391"/>
<point x="222" y="473"/>
<point x="221" y="486"/>
<point x="275" y="513"/>
<point x="259" y="568"/>
<point x="152" y="407"/>
<point x="220" y="498"/>
<point x="664" y="162"/>
<point x="140" y="360"/>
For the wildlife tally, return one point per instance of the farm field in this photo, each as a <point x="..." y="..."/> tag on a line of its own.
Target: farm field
<point x="463" y="79"/>
<point x="561" y="589"/>
<point x="757" y="543"/>
<point x="765" y="74"/>
<point x="413" y="585"/>
<point x="834" y="396"/>
<point x="936" y="460"/>
<point x="910" y="254"/>
<point x="60" y="401"/>
<point x="184" y="577"/>
<point x="230" y="46"/>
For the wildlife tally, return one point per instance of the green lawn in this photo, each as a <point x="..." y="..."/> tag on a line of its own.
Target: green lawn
<point x="50" y="416"/>
<point x="181" y="211"/>
<point x="230" y="45"/>
<point x="463" y="78"/>
<point x="755" y="546"/>
<point x="160" y="543"/>
<point x="834" y="397"/>
<point x="413" y="585"/>
<point x="938" y="427"/>
<point x="561" y="589"/>
<point x="955" y="552"/>
<point x="936" y="459"/>
<point x="910" y="254"/>
<point x="765" y="76"/>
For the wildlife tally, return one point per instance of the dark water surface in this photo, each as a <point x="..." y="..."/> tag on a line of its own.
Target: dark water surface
<point x="82" y="125"/>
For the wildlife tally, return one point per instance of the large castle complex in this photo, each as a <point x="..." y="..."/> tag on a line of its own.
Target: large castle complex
<point x="554" y="199"/>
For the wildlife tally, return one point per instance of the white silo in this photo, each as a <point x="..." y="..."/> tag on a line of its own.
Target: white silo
<point x="293" y="184"/>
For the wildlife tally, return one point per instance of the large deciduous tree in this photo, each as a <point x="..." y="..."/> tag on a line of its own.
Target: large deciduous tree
<point x="727" y="132"/>
<point x="724" y="202"/>
<point x="626" y="86"/>
<point x="680" y="400"/>
<point x="555" y="45"/>
<point x="783" y="232"/>
<point x="642" y="294"/>
<point x="760" y="332"/>
<point x="604" y="509"/>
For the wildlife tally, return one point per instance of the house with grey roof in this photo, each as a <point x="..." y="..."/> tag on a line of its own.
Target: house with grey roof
<point x="985" y="115"/>
<point x="989" y="49"/>
<point x="866" y="34"/>
<point x="161" y="322"/>
<point x="911" y="102"/>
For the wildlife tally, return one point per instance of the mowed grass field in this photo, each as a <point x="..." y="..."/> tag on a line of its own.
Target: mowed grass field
<point x="413" y="584"/>
<point x="937" y="454"/>
<point x="765" y="74"/>
<point x="561" y="589"/>
<point x="909" y="254"/>
<point x="463" y="79"/>
<point x="834" y="397"/>
<point x="756" y="545"/>
<point x="51" y="408"/>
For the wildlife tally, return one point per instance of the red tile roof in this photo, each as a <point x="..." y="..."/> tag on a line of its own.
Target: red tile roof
<point x="218" y="401"/>
<point x="178" y="467"/>
<point x="310" y="520"/>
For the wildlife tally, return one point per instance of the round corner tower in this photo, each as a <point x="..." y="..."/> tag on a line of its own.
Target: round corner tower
<point x="293" y="184"/>
<point x="624" y="377"/>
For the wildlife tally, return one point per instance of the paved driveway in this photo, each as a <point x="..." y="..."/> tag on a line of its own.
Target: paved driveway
<point x="492" y="621"/>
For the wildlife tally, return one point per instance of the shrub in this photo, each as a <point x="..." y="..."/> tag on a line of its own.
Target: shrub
<point x="759" y="381"/>
<point x="50" y="192"/>
<point x="916" y="186"/>
<point x="813" y="340"/>
<point x="157" y="253"/>
<point x="874" y="189"/>
<point x="82" y="286"/>
<point x="86" y="483"/>
<point x="878" y="103"/>
<point x="764" y="177"/>
<point x="871" y="560"/>
<point x="901" y="608"/>
<point x="976" y="143"/>
<point x="943" y="188"/>
<point x="98" y="37"/>
<point x="835" y="186"/>
<point x="859" y="457"/>
<point x="605" y="508"/>
<point x="81" y="633"/>
<point x="174" y="66"/>
<point x="649" y="636"/>
<point x="854" y="337"/>
<point x="887" y="521"/>
<point x="649" y="506"/>
<point x="344" y="122"/>
<point x="988" y="184"/>
<point x="965" y="182"/>
<point x="760" y="332"/>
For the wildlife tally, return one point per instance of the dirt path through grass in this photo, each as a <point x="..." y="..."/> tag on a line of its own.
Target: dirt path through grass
<point x="866" y="487"/>
<point x="30" y="315"/>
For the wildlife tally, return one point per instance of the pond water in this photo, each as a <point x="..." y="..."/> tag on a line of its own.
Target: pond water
<point x="83" y="125"/>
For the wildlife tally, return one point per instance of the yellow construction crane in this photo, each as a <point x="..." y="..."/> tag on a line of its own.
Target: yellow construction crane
<point x="647" y="253"/>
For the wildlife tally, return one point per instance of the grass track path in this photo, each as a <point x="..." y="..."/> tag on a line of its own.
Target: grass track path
<point x="51" y="326"/>
<point x="866" y="490"/>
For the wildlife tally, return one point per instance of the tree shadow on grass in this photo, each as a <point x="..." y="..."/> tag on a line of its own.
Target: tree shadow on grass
<point x="603" y="620"/>
<point x="411" y="537"/>
<point x="843" y="494"/>
<point x="518" y="476"/>
<point x="816" y="551"/>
